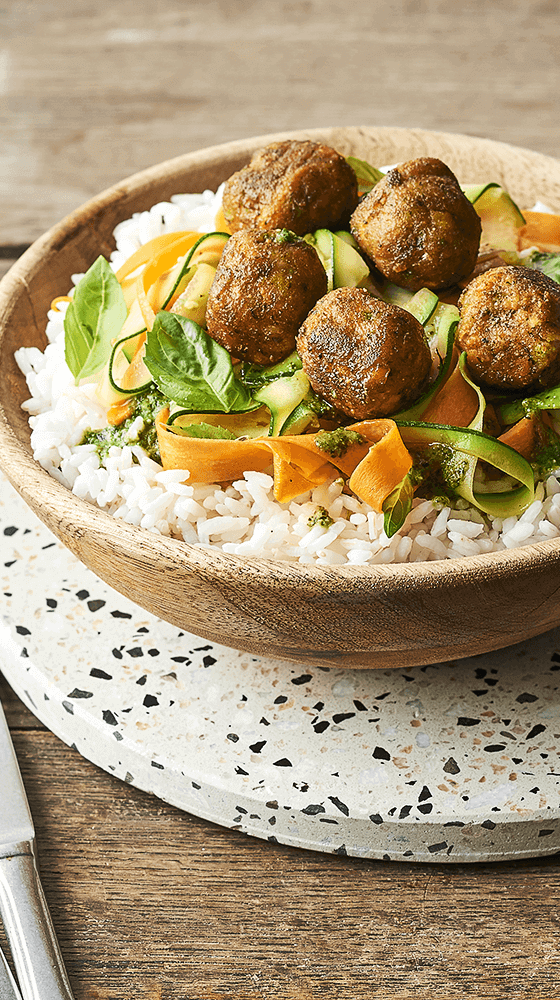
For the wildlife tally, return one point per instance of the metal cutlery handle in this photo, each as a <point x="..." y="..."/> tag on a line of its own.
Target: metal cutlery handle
<point x="30" y="932"/>
<point x="8" y="988"/>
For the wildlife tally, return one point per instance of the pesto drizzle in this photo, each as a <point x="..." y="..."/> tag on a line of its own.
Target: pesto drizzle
<point x="320" y="516"/>
<point x="146" y="405"/>
<point x="337" y="442"/>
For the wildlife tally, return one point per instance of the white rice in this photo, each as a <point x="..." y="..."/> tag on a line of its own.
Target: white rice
<point x="243" y="518"/>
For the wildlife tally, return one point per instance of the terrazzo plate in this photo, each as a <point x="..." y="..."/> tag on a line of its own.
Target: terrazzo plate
<point x="451" y="762"/>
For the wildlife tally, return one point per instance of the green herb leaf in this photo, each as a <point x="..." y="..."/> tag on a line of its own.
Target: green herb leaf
<point x="367" y="175"/>
<point x="548" y="263"/>
<point x="397" y="506"/>
<point x="93" y="319"/>
<point x="192" y="369"/>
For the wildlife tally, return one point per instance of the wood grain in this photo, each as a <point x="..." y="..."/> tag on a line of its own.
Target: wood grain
<point x="5" y="265"/>
<point x="150" y="903"/>
<point x="92" y="93"/>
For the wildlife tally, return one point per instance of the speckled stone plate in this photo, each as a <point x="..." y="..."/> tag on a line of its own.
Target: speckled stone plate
<point x="451" y="762"/>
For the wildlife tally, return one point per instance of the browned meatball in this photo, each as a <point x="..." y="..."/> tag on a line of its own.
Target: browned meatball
<point x="265" y="285"/>
<point x="365" y="357"/>
<point x="418" y="226"/>
<point x="510" y="328"/>
<point x="301" y="186"/>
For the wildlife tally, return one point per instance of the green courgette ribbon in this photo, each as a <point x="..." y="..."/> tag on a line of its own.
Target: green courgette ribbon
<point x="470" y="445"/>
<point x="445" y="320"/>
<point x="475" y="446"/>
<point x="509" y="412"/>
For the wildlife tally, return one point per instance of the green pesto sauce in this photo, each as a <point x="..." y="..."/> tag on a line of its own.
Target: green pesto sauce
<point x="146" y="405"/>
<point x="320" y="406"/>
<point x="547" y="458"/>
<point x="438" y="472"/>
<point x="279" y="236"/>
<point x="320" y="516"/>
<point x="529" y="407"/>
<point x="337" y="442"/>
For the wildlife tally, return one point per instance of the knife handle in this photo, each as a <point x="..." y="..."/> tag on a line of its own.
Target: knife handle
<point x="30" y="932"/>
<point x="8" y="987"/>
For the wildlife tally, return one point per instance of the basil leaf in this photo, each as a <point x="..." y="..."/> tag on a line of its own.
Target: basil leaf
<point x="192" y="369"/>
<point x="397" y="506"/>
<point x="93" y="320"/>
<point x="548" y="263"/>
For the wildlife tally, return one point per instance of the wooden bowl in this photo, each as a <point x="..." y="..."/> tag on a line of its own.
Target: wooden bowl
<point x="349" y="616"/>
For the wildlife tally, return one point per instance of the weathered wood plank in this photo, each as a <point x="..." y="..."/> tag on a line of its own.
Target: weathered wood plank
<point x="151" y="903"/>
<point x="90" y="94"/>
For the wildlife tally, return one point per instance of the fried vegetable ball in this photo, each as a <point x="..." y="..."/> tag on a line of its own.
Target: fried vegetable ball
<point x="418" y="227"/>
<point x="301" y="186"/>
<point x="510" y="328"/>
<point x="265" y="285"/>
<point x="365" y="357"/>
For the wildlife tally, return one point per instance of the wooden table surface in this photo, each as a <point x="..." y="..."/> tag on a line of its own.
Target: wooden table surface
<point x="149" y="902"/>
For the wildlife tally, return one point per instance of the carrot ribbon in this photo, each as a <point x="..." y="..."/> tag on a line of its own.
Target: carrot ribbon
<point x="541" y="229"/>
<point x="375" y="466"/>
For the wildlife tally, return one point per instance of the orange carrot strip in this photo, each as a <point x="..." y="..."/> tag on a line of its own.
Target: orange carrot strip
<point x="541" y="229"/>
<point x="303" y="451"/>
<point x="148" y="313"/>
<point x="209" y="461"/>
<point x="522" y="436"/>
<point x="220" y="222"/>
<point x="289" y="481"/>
<point x="385" y="465"/>
<point x="59" y="298"/>
<point x="377" y="465"/>
<point x="150" y="284"/>
<point x="165" y="262"/>
<point x="297" y="465"/>
<point x="160" y="255"/>
<point x="153" y="249"/>
<point x="119" y="412"/>
<point x="456" y="403"/>
<point x="300" y="451"/>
